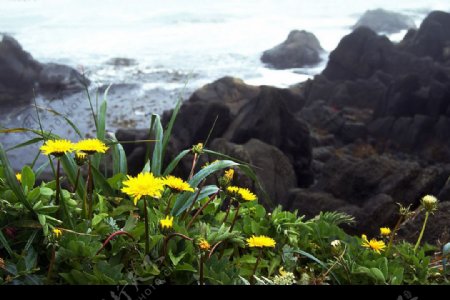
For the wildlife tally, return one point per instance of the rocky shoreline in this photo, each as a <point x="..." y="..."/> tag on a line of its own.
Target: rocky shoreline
<point x="371" y="131"/>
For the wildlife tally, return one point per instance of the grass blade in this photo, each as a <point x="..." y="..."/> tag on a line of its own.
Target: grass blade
<point x="157" y="131"/>
<point x="168" y="131"/>
<point x="29" y="142"/>
<point x="101" y="183"/>
<point x="173" y="164"/>
<point x="5" y="244"/>
<point x="181" y="206"/>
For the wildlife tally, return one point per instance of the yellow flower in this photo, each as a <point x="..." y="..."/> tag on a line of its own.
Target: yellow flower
<point x="246" y="194"/>
<point x="373" y="244"/>
<point x="145" y="184"/>
<point x="57" y="232"/>
<point x="242" y="193"/>
<point x="19" y="177"/>
<point x="167" y="222"/>
<point x="261" y="241"/>
<point x="229" y="174"/>
<point x="197" y="149"/>
<point x="204" y="245"/>
<point x="177" y="184"/>
<point x="91" y="146"/>
<point x="80" y="158"/>
<point x="57" y="147"/>
<point x="385" y="231"/>
<point x="429" y="202"/>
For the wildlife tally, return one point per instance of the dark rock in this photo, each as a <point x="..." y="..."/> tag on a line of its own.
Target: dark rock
<point x="352" y="131"/>
<point x="432" y="39"/>
<point x="384" y="21"/>
<point x="18" y="72"/>
<point x="122" y="62"/>
<point x="437" y="228"/>
<point x="273" y="169"/>
<point x="56" y="79"/>
<point x="362" y="53"/>
<point x="269" y="117"/>
<point x="300" y="49"/>
<point x="232" y="92"/>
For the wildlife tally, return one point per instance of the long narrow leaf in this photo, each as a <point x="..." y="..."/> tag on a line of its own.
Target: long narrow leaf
<point x="71" y="124"/>
<point x="173" y="164"/>
<point x="71" y="168"/>
<point x="197" y="178"/>
<point x="5" y="244"/>
<point x="119" y="157"/>
<point x="29" y="142"/>
<point x="180" y="207"/>
<point x="101" y="182"/>
<point x="168" y="131"/>
<point x="12" y="181"/>
<point x="157" y="131"/>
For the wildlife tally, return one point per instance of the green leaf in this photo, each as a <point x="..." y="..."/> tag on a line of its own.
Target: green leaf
<point x="28" y="178"/>
<point x="168" y="131"/>
<point x="98" y="218"/>
<point x="70" y="168"/>
<point x="119" y="157"/>
<point x="157" y="131"/>
<point x="30" y="259"/>
<point x="101" y="183"/>
<point x="175" y="162"/>
<point x="180" y="207"/>
<point x="24" y="144"/>
<point x="176" y="259"/>
<point x="45" y="191"/>
<point x="5" y="244"/>
<point x="185" y="267"/>
<point x="11" y="179"/>
<point x="378" y="275"/>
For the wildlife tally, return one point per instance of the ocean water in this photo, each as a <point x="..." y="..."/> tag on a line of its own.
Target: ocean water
<point x="176" y="46"/>
<point x="200" y="40"/>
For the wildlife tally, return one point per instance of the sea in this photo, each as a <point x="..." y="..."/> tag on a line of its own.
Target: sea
<point x="171" y="48"/>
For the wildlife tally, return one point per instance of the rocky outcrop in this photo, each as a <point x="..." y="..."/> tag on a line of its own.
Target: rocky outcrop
<point x="272" y="168"/>
<point x="301" y="49"/>
<point x="383" y="21"/>
<point x="20" y="74"/>
<point x="432" y="39"/>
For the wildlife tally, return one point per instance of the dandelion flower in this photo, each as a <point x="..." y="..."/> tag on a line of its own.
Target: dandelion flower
<point x="260" y="241"/>
<point x="19" y="177"/>
<point x="204" y="245"/>
<point x="57" y="232"/>
<point x="91" y="146"/>
<point x="57" y="147"/>
<point x="166" y="223"/>
<point x="385" y="231"/>
<point x="177" y="184"/>
<point x="373" y="244"/>
<point x="144" y="184"/>
<point x="229" y="174"/>
<point x="242" y="193"/>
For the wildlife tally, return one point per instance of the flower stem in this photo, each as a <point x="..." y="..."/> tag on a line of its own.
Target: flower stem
<point x="427" y="213"/>
<point x="89" y="188"/>
<point x="58" y="187"/>
<point x="76" y="180"/>
<point x="168" y="204"/>
<point x="252" y="279"/>
<point x="52" y="262"/>
<point x="194" y="163"/>
<point x="147" y="238"/>
<point x="201" y="209"/>
<point x="202" y="258"/>
<point x="235" y="216"/>
<point x="391" y="238"/>
<point x="228" y="211"/>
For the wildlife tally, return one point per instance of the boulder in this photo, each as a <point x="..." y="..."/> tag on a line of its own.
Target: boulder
<point x="57" y="79"/>
<point x="273" y="169"/>
<point x="18" y="73"/>
<point x="438" y="227"/>
<point x="384" y="21"/>
<point x="233" y="92"/>
<point x="301" y="49"/>
<point x="362" y="53"/>
<point x="432" y="39"/>
<point x="270" y="118"/>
